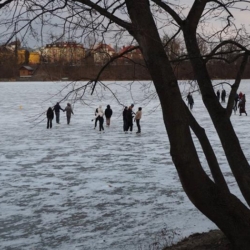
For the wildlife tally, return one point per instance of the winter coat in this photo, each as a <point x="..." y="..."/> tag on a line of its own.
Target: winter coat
<point x="57" y="108"/>
<point x="190" y="99"/>
<point x="223" y="93"/>
<point x="68" y="110"/>
<point x="100" y="112"/>
<point x="50" y="113"/>
<point x="108" y="112"/>
<point x="129" y="115"/>
<point x="242" y="104"/>
<point x="138" y="115"/>
<point x="124" y="114"/>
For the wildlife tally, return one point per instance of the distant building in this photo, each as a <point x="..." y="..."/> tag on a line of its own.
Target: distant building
<point x="65" y="52"/>
<point x="26" y="71"/>
<point x="34" y="57"/>
<point x="130" y="54"/>
<point x="22" y="56"/>
<point x="102" y="53"/>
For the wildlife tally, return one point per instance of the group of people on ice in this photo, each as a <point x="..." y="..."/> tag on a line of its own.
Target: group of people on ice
<point x="221" y="95"/>
<point x="128" y="116"/>
<point x="239" y="101"/>
<point x="99" y="117"/>
<point x="50" y="114"/>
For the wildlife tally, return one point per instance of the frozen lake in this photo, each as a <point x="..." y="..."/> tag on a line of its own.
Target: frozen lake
<point x="73" y="188"/>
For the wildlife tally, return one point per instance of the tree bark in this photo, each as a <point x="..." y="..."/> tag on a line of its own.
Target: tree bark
<point x="208" y="151"/>
<point x="230" y="143"/>
<point x="223" y="208"/>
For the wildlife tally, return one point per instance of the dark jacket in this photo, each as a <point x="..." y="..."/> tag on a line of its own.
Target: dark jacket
<point x="50" y="113"/>
<point x="124" y="114"/>
<point x="130" y="115"/>
<point x="108" y="112"/>
<point x="190" y="99"/>
<point x="57" y="108"/>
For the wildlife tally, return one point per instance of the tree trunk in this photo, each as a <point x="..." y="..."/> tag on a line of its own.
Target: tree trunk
<point x="235" y="156"/>
<point x="223" y="208"/>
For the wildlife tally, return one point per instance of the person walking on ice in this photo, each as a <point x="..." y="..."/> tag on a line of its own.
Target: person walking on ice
<point x="69" y="111"/>
<point x="96" y="118"/>
<point x="242" y="105"/>
<point x="138" y="115"/>
<point x="223" y="95"/>
<point x="190" y="100"/>
<point x="108" y="114"/>
<point x="218" y="94"/>
<point x="100" y="118"/>
<point x="57" y="109"/>
<point x="50" y="117"/>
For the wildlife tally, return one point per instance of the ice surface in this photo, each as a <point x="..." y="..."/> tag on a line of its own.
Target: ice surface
<point x="73" y="188"/>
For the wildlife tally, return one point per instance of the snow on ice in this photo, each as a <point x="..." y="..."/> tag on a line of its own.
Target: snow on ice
<point x="73" y="188"/>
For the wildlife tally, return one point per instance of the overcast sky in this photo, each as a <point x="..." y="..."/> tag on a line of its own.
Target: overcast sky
<point x="241" y="18"/>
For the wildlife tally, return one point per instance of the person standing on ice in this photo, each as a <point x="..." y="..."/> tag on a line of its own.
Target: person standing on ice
<point x="125" y="123"/>
<point x="190" y="100"/>
<point x="223" y="95"/>
<point x="50" y="117"/>
<point x="218" y="94"/>
<point x="69" y="111"/>
<point x="57" y="109"/>
<point x="96" y="118"/>
<point x="130" y="118"/>
<point x="138" y="115"/>
<point x="240" y="95"/>
<point x="236" y="99"/>
<point x="100" y="114"/>
<point x="108" y="114"/>
<point x="242" y="104"/>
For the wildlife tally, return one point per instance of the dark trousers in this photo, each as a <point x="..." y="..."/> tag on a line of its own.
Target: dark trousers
<point x="101" y="121"/>
<point x="129" y="125"/>
<point x="49" y="123"/>
<point x="235" y="106"/>
<point x="138" y="126"/>
<point x="125" y="125"/>
<point x="57" y="117"/>
<point x="96" y="120"/>
<point x="191" y="105"/>
<point x="68" y="119"/>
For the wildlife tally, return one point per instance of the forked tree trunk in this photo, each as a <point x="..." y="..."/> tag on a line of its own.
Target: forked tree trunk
<point x="223" y="208"/>
<point x="229" y="140"/>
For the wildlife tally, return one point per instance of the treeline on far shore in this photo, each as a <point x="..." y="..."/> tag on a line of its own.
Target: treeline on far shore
<point x="55" y="72"/>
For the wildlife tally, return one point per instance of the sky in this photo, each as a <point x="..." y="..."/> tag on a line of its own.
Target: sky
<point x="71" y="187"/>
<point x="241" y="17"/>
